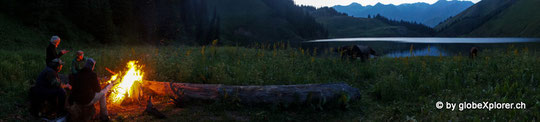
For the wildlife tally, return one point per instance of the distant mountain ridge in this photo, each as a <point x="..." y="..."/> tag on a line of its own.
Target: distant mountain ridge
<point x="424" y="13"/>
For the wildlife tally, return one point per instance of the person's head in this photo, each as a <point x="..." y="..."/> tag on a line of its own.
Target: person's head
<point x="55" y="40"/>
<point x="79" y="55"/>
<point x="57" y="64"/>
<point x="90" y="64"/>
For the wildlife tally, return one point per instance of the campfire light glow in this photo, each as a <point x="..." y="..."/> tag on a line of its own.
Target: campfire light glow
<point x="124" y="87"/>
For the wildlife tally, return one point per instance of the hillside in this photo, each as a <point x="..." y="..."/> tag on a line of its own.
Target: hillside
<point x="424" y="13"/>
<point x="195" y="22"/>
<point x="341" y="25"/>
<point x="495" y="18"/>
<point x="521" y="19"/>
<point x="265" y="20"/>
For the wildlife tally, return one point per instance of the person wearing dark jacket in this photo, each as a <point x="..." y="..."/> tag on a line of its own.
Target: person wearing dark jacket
<point x="78" y="63"/>
<point x="49" y="88"/>
<point x="51" y="50"/>
<point x="86" y="90"/>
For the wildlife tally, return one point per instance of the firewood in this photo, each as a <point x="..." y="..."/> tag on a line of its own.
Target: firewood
<point x="150" y="109"/>
<point x="178" y="99"/>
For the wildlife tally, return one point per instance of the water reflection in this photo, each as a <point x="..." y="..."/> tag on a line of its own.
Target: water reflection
<point x="432" y="46"/>
<point x="429" y="51"/>
<point x="432" y="40"/>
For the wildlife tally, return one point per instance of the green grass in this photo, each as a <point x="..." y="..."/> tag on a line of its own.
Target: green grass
<point x="391" y="88"/>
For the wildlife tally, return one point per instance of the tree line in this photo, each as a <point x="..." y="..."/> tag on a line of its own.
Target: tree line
<point x="151" y="21"/>
<point x="110" y="21"/>
<point x="418" y="27"/>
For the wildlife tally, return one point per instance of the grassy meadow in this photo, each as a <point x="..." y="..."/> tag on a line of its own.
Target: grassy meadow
<point x="392" y="88"/>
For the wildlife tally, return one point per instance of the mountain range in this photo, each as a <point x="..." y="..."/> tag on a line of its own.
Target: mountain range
<point x="428" y="14"/>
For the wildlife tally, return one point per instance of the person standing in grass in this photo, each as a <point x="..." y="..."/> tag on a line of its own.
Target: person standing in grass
<point x="87" y="92"/>
<point x="49" y="88"/>
<point x="78" y="63"/>
<point x="51" y="50"/>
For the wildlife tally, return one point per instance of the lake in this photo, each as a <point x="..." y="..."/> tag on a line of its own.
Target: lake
<point x="426" y="46"/>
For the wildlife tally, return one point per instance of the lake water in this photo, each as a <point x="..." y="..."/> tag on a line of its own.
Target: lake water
<point x="426" y="46"/>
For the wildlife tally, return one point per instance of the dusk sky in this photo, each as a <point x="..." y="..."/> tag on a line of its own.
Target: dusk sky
<point x="330" y="3"/>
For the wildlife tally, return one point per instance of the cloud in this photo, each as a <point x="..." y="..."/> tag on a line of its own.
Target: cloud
<point x="330" y="3"/>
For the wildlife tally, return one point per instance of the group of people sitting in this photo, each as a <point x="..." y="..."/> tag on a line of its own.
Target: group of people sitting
<point x="49" y="91"/>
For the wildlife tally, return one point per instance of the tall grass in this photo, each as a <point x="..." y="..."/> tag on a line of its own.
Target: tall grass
<point x="392" y="88"/>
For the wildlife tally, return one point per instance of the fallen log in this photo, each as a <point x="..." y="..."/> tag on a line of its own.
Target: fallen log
<point x="150" y="109"/>
<point x="256" y="94"/>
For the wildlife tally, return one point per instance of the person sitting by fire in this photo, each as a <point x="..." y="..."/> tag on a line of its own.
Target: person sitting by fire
<point x="86" y="91"/>
<point x="49" y="88"/>
<point x="51" y="50"/>
<point x="78" y="63"/>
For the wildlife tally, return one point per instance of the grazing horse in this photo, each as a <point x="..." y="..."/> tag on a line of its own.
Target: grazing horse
<point x="354" y="51"/>
<point x="473" y="53"/>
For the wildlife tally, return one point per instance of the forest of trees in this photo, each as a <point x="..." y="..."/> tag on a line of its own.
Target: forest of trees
<point x="410" y="25"/>
<point x="120" y="20"/>
<point x="341" y="25"/>
<point x="306" y="26"/>
<point x="323" y="11"/>
<point x="149" y="21"/>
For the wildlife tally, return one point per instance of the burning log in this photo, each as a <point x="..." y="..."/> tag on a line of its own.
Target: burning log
<point x="268" y="94"/>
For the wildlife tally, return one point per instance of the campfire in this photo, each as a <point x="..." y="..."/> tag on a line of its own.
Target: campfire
<point x="128" y="88"/>
<point x="126" y="85"/>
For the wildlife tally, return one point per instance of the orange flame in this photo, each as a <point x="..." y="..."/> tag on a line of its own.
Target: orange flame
<point x="123" y="89"/>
